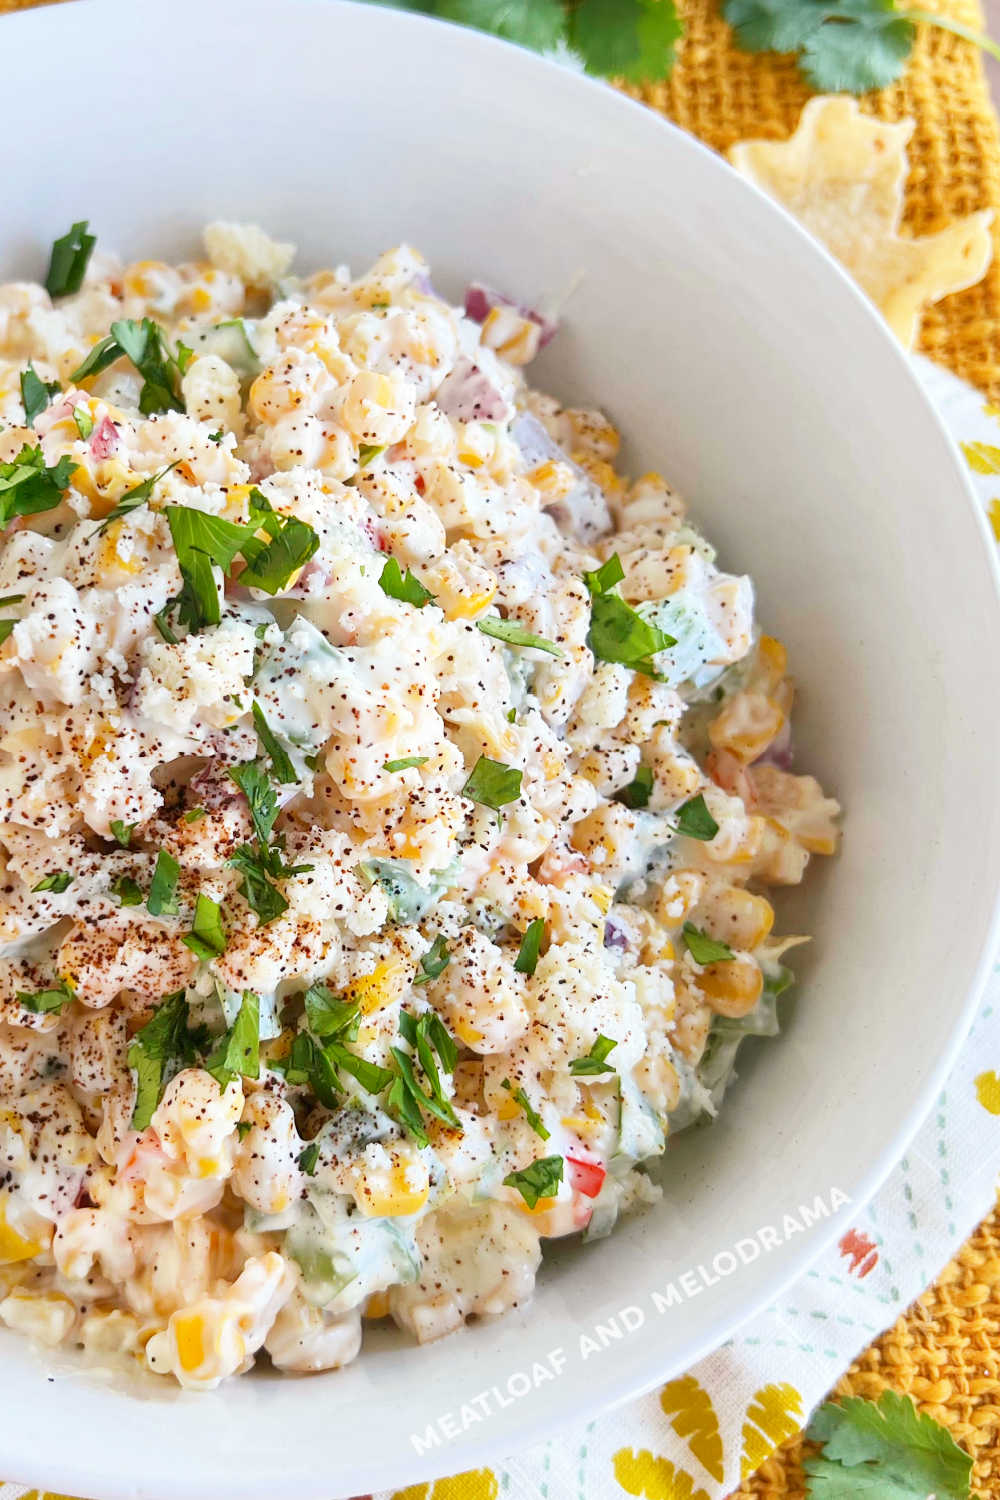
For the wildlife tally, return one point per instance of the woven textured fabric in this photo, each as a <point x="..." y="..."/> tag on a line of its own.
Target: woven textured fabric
<point x="945" y="1352"/>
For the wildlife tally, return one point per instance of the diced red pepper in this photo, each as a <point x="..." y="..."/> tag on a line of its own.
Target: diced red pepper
<point x="586" y="1177"/>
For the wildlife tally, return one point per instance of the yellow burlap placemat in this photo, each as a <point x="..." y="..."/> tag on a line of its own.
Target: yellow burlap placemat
<point x="945" y="1352"/>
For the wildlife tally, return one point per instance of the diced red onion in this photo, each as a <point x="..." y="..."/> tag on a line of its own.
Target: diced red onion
<point x="468" y="395"/>
<point x="104" y="440"/>
<point x="480" y="300"/>
<point x="584" y="511"/>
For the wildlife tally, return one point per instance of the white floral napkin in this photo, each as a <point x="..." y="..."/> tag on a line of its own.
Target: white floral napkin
<point x="696" y="1437"/>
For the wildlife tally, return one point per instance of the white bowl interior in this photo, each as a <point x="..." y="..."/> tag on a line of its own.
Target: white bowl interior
<point x="741" y="362"/>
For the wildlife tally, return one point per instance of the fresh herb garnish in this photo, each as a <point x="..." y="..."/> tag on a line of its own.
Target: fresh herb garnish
<point x="237" y="1053"/>
<point x="254" y="783"/>
<point x="328" y="1016"/>
<point x="407" y="1098"/>
<point x="540" y="1180"/>
<point x="84" y="421"/>
<point x="145" y="345"/>
<point x="638" y="792"/>
<point x="194" y="815"/>
<point x="515" y="635"/>
<point x="434" y="961"/>
<point x="35" y="394"/>
<point x="68" y="260"/>
<point x="617" y="633"/>
<point x="207" y="938"/>
<point x="260" y="867"/>
<point x="843" y="46"/>
<point x="406" y="762"/>
<point x="526" y="961"/>
<point x="703" y="949"/>
<point x="272" y="564"/>
<point x="122" y="831"/>
<point x="886" y="1449"/>
<point x="132" y="499"/>
<point x="533" y="1117"/>
<point x="281" y="764"/>
<point x="368" y="452"/>
<point x="695" y="821"/>
<point x="58" y="882"/>
<point x="43" y="1002"/>
<point x="28" y="487"/>
<point x="596" y="1059"/>
<point x="128" y="891"/>
<point x="407" y="589"/>
<point x="308" y="1158"/>
<point x="493" y="784"/>
<point x="156" y="1051"/>
<point x="162" y="899"/>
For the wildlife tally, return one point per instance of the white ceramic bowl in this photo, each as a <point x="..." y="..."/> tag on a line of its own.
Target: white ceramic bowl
<point x="739" y="360"/>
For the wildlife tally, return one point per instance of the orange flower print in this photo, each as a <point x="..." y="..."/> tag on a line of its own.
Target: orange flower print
<point x="860" y="1251"/>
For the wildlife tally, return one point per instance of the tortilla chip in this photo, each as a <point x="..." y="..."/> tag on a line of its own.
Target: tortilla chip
<point x="841" y="174"/>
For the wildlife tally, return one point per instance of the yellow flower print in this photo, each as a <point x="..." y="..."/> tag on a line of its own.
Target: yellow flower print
<point x="774" y="1414"/>
<point x="693" y="1417"/>
<point x="653" y="1478"/>
<point x="988" y="1092"/>
<point x="474" y="1484"/>
<point x="993" y="512"/>
<point x="982" y="458"/>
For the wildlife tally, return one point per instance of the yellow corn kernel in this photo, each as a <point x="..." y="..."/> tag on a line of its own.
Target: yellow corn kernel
<point x="82" y="480"/>
<point x="403" y="1190"/>
<point x="200" y="299"/>
<point x="680" y="894"/>
<point x="746" y="726"/>
<point x="465" y="606"/>
<point x="737" y="917"/>
<point x="373" y="992"/>
<point x="554" y="479"/>
<point x="139" y="279"/>
<point x="467" y="1034"/>
<point x="601" y="472"/>
<point x="109" y="559"/>
<point x="208" y="1166"/>
<point x="189" y="1336"/>
<point x="13" y="1246"/>
<point x="338" y="364"/>
<point x="772" y="662"/>
<point x="377" y="1306"/>
<point x="507" y="1108"/>
<point x="602" y="897"/>
<point x="732" y="987"/>
<point x="817" y="843"/>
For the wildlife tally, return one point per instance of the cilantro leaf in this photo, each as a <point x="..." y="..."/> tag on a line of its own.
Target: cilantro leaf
<point x="885" y="1449"/>
<point x="596" y="1059"/>
<point x="533" y="23"/>
<point x="493" y="784"/>
<point x="406" y="762"/>
<point x="207" y="938"/>
<point x="281" y="764"/>
<point x="434" y="961"/>
<point x="260" y="867"/>
<point x="540" y="1180"/>
<point x="201" y="541"/>
<point x="144" y="344"/>
<point x="35" y="394"/>
<point x="634" y="38"/>
<point x="526" y="961"/>
<point x="702" y="948"/>
<point x="28" y="487"/>
<point x="127" y="890"/>
<point x="372" y="1078"/>
<point x="44" y="1001"/>
<point x="156" y="1051"/>
<point x="328" y="1016"/>
<point x="533" y="1117"/>
<point x="238" y="1051"/>
<point x="638" y="792"/>
<point x="254" y="783"/>
<point x="695" y="821"/>
<point x="272" y="564"/>
<point x="132" y="499"/>
<point x="407" y="1098"/>
<point x="122" y="831"/>
<point x="308" y="1158"/>
<point x="68" y="260"/>
<point x="57" y="882"/>
<point x="617" y="633"/>
<point x="162" y="899"/>
<point x="843" y="45"/>
<point x="515" y="635"/>
<point x="407" y="589"/>
<point x="84" y="421"/>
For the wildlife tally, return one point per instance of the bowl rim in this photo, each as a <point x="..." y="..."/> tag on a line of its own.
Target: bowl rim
<point x="55" y="1469"/>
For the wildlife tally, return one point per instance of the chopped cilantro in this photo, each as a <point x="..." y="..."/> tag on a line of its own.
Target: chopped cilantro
<point x="408" y="589"/>
<point x="695" y="821"/>
<point x="28" y="487"/>
<point x="194" y="815"/>
<point x="254" y="783"/>
<point x="35" y="394"/>
<point x="156" y="1051"/>
<point x="516" y="635"/>
<point x="68" y="260"/>
<point x="406" y="762"/>
<point x="638" y="792"/>
<point x="885" y="1449"/>
<point x="207" y="938"/>
<point x="596" y="1059"/>
<point x="271" y="565"/>
<point x="132" y="499"/>
<point x="434" y="961"/>
<point x="329" y="1016"/>
<point x="281" y="764"/>
<point x="617" y="633"/>
<point x="127" y="890"/>
<point x="144" y="344"/>
<point x="308" y="1158"/>
<point x="57" y="882"/>
<point x="703" y="949"/>
<point x="42" y="1002"/>
<point x="540" y="1180"/>
<point x="122" y="831"/>
<point x="162" y="899"/>
<point x="526" y="961"/>
<point x="84" y="421"/>
<point x="533" y="1117"/>
<point x="493" y="784"/>
<point x="238" y="1051"/>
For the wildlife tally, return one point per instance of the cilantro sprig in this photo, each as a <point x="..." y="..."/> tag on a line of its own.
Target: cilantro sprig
<point x="493" y="784"/>
<point x="144" y="345"/>
<point x="884" y="1448"/>
<point x="42" y="1002"/>
<point x="540" y="1180"/>
<point x="617" y="632"/>
<point x="702" y="948"/>
<point x="164" y="1045"/>
<point x="36" y="394"/>
<point x="28" y="486"/>
<point x="633" y="38"/>
<point x="843" y="46"/>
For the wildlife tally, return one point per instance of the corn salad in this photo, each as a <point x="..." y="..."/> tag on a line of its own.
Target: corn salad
<point x="389" y="789"/>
